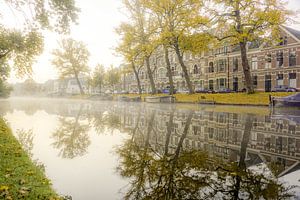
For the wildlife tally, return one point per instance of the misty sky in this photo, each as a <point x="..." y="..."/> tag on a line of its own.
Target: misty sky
<point x="97" y="22"/>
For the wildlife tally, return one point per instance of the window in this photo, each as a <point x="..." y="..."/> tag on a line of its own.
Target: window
<point x="292" y="80"/>
<point x="279" y="79"/>
<point x="202" y="84"/>
<point x="221" y="65"/>
<point x="283" y="41"/>
<point x="196" y="69"/>
<point x="254" y="63"/>
<point x="279" y="58"/>
<point x="222" y="82"/>
<point x="292" y="59"/>
<point x="255" y="81"/>
<point x="162" y="73"/>
<point x="235" y="64"/>
<point x="211" y="84"/>
<point x="211" y="67"/>
<point x="268" y="60"/>
<point x="173" y="69"/>
<point x="142" y="75"/>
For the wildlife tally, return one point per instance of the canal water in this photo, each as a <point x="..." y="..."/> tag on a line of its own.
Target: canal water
<point x="113" y="150"/>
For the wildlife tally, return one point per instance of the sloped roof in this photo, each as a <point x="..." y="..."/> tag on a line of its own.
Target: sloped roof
<point x="294" y="32"/>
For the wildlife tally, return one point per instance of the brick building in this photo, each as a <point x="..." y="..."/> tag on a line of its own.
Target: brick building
<point x="222" y="67"/>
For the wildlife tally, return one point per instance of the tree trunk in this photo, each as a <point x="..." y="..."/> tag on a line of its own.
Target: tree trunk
<point x="184" y="134"/>
<point x="137" y="78"/>
<point x="246" y="68"/>
<point x="169" y="71"/>
<point x="169" y="132"/>
<point x="100" y="87"/>
<point x="184" y="69"/>
<point x="243" y="153"/>
<point x="124" y="82"/>
<point x="79" y="85"/>
<point x="149" y="71"/>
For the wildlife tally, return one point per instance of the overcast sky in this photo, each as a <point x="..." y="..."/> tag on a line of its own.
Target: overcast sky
<point x="97" y="22"/>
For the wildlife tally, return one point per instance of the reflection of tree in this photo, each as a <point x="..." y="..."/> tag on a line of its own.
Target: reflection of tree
<point x="71" y="137"/>
<point x="105" y="121"/>
<point x="193" y="174"/>
<point x="98" y="122"/>
<point x="26" y="140"/>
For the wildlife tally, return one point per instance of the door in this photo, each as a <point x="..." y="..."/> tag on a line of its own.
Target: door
<point x="268" y="83"/>
<point x="235" y="84"/>
<point x="211" y="84"/>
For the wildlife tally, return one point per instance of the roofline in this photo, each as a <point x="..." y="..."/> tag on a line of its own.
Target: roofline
<point x="293" y="36"/>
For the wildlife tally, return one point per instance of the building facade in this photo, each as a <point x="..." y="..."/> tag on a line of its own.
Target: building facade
<point x="67" y="86"/>
<point x="222" y="68"/>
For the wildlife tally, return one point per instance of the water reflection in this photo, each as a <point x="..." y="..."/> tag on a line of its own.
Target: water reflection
<point x="71" y="136"/>
<point x="184" y="154"/>
<point x="26" y="140"/>
<point x="168" y="151"/>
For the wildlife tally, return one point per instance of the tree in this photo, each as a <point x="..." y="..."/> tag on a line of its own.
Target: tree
<point x="128" y="48"/>
<point x="19" y="49"/>
<point x="113" y="76"/>
<point x="51" y="14"/>
<point x="5" y="89"/>
<point x="142" y="31"/>
<point x="98" y="77"/>
<point x="71" y="60"/>
<point x="239" y="22"/>
<point x="22" y="46"/>
<point x="178" y="21"/>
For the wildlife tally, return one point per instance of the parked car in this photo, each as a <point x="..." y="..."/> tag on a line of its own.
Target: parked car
<point x="284" y="88"/>
<point x="201" y="90"/>
<point x="242" y="90"/>
<point x="167" y="90"/>
<point x="224" y="90"/>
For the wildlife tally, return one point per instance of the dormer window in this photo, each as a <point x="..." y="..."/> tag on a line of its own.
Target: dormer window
<point x="283" y="41"/>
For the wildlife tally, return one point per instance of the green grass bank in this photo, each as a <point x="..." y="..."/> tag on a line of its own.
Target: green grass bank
<point x="256" y="99"/>
<point x="20" y="178"/>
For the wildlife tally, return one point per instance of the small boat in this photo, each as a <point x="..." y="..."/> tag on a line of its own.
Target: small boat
<point x="160" y="99"/>
<point x="292" y="101"/>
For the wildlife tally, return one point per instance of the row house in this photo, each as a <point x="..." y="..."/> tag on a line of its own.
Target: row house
<point x="222" y="67"/>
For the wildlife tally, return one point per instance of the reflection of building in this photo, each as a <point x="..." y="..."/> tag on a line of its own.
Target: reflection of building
<point x="222" y="67"/>
<point x="221" y="134"/>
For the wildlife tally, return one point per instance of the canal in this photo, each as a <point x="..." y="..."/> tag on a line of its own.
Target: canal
<point x="113" y="150"/>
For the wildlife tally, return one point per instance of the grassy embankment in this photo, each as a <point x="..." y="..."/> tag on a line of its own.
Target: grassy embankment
<point x="258" y="98"/>
<point x="19" y="177"/>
